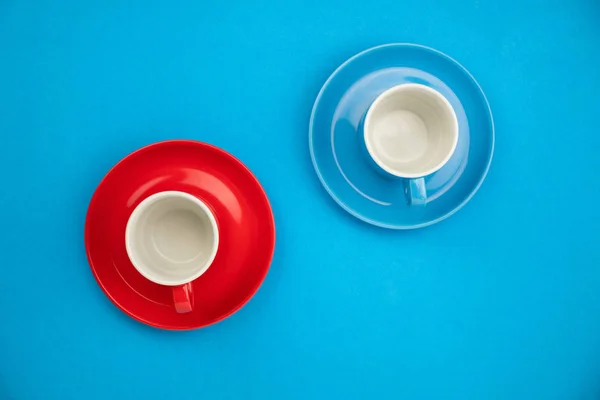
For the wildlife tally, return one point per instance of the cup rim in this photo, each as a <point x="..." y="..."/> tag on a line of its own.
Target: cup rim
<point x="147" y="202"/>
<point x="390" y="92"/>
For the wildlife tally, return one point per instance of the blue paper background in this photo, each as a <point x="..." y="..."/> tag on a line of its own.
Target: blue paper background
<point x="501" y="301"/>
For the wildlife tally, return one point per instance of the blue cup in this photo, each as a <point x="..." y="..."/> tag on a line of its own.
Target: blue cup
<point x="410" y="131"/>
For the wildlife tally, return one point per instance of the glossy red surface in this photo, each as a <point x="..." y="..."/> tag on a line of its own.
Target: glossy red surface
<point x="183" y="298"/>
<point x="240" y="206"/>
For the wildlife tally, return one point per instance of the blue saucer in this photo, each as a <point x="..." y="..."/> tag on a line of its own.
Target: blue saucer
<point x="336" y="143"/>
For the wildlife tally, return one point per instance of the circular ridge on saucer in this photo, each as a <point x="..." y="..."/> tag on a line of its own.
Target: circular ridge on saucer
<point x="337" y="151"/>
<point x="235" y="197"/>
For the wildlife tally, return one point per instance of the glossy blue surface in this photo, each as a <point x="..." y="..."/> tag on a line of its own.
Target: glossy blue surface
<point x="500" y="301"/>
<point x="336" y="137"/>
<point x="416" y="191"/>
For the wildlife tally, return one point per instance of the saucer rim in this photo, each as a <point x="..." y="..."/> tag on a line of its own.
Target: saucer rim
<point x="170" y="327"/>
<point x="357" y="214"/>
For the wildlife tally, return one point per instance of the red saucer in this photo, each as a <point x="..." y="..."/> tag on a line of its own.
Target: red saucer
<point x="242" y="210"/>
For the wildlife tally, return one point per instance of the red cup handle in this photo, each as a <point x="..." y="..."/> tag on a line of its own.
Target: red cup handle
<point x="182" y="297"/>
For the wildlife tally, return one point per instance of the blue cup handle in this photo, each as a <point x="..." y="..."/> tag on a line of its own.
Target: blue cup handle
<point x="415" y="191"/>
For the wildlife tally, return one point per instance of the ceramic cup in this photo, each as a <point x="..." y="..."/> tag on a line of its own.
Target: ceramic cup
<point x="410" y="131"/>
<point x="171" y="239"/>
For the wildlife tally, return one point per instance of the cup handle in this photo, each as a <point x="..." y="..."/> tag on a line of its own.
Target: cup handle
<point x="183" y="298"/>
<point x="415" y="191"/>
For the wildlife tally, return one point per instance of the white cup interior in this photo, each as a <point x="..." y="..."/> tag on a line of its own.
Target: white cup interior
<point x="411" y="130"/>
<point x="171" y="238"/>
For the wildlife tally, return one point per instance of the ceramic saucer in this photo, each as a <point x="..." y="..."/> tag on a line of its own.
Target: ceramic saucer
<point x="336" y="143"/>
<point x="240" y="206"/>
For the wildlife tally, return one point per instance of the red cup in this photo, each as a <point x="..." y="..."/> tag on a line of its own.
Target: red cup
<point x="171" y="239"/>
